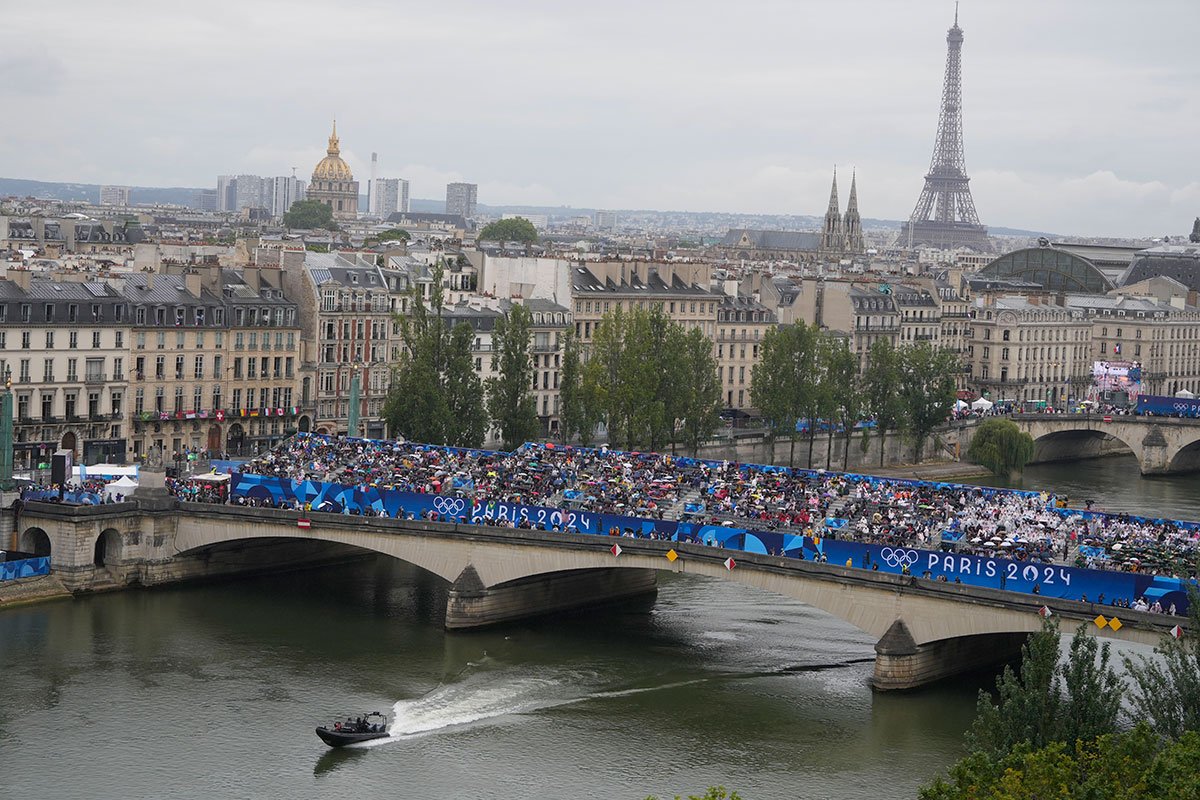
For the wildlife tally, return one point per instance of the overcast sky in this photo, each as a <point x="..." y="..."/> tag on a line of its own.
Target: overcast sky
<point x="1080" y="117"/>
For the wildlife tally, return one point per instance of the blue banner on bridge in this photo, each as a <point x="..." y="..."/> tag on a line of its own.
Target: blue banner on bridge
<point x="24" y="568"/>
<point x="1048" y="580"/>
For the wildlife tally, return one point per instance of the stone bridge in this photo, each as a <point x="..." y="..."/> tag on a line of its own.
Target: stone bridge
<point x="926" y="630"/>
<point x="1162" y="445"/>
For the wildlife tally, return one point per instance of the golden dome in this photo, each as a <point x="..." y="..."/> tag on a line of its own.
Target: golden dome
<point x="332" y="167"/>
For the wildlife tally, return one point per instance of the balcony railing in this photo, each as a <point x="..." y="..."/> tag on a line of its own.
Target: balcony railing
<point x="95" y="377"/>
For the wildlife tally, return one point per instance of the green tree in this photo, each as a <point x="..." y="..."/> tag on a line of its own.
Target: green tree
<point x="622" y="375"/>
<point x="1027" y="702"/>
<point x="1131" y="765"/>
<point x="1046" y="702"/>
<point x="782" y="382"/>
<point x="580" y="412"/>
<point x="1167" y="688"/>
<point x="510" y="400"/>
<point x="395" y="234"/>
<point x="436" y="395"/>
<point x="701" y="404"/>
<point x="466" y="419"/>
<point x="713" y="793"/>
<point x="926" y="390"/>
<point x="881" y="389"/>
<point x="308" y="215"/>
<point x="1001" y="446"/>
<point x="516" y="229"/>
<point x="843" y="392"/>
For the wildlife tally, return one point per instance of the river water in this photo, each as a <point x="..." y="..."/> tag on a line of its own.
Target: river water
<point x="214" y="690"/>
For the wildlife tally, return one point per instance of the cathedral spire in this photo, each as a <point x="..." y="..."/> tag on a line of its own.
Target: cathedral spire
<point x="852" y="224"/>
<point x="833" y="195"/>
<point x="831" y="232"/>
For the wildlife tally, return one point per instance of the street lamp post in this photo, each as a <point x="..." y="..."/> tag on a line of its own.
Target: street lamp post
<point x="355" y="395"/>
<point x="6" y="433"/>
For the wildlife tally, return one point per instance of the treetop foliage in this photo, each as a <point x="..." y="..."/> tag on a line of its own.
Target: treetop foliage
<point x="1001" y="446"/>
<point x="516" y="229"/>
<point x="309" y="215"/>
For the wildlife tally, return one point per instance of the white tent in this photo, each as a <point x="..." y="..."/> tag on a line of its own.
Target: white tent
<point x="211" y="477"/>
<point x="982" y="404"/>
<point x="959" y="405"/>
<point x="105" y="471"/>
<point x="122" y="486"/>
<point x="1184" y="394"/>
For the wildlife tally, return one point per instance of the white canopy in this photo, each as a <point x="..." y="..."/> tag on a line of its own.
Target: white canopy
<point x="122" y="486"/>
<point x="1185" y="394"/>
<point x="211" y="477"/>
<point x="105" y="471"/>
<point x="982" y="404"/>
<point x="959" y="405"/>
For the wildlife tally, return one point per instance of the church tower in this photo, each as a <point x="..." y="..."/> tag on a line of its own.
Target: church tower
<point x="832" y="240"/>
<point x="333" y="183"/>
<point x="852" y="224"/>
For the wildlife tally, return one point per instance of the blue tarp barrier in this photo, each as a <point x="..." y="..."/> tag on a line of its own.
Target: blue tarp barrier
<point x="24" y="568"/>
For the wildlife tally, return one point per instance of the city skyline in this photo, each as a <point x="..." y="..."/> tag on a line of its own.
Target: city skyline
<point x="1071" y="124"/>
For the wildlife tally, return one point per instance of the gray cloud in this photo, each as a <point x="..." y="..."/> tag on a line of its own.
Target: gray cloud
<point x="1080" y="116"/>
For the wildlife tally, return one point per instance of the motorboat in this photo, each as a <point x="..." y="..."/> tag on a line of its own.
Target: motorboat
<point x="354" y="730"/>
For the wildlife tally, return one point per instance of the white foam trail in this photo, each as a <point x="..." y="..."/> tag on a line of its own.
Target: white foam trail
<point x="483" y="699"/>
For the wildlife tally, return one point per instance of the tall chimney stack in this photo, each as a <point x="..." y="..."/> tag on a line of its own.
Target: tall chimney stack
<point x="371" y="186"/>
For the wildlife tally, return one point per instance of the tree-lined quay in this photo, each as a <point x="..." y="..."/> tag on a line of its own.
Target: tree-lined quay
<point x="648" y="382"/>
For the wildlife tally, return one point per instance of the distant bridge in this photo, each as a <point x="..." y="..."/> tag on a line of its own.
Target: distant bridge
<point x="927" y="630"/>
<point x="1162" y="445"/>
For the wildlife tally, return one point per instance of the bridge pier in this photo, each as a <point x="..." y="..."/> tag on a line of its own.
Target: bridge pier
<point x="473" y="605"/>
<point x="901" y="663"/>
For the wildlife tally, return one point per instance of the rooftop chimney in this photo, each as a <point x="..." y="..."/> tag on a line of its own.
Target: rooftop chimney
<point x="20" y="277"/>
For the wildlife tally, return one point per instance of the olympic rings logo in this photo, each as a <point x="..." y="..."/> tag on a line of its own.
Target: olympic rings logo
<point x="450" y="506"/>
<point x="899" y="557"/>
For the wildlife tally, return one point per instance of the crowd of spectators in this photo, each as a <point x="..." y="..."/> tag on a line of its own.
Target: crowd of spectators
<point x="985" y="522"/>
<point x="194" y="491"/>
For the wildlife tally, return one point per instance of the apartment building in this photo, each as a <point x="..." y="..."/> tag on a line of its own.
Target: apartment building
<point x="551" y="321"/>
<point x="742" y="322"/>
<point x="1029" y="349"/>
<point x="64" y="346"/>
<point x="345" y="313"/>
<point x="680" y="290"/>
<point x="178" y="330"/>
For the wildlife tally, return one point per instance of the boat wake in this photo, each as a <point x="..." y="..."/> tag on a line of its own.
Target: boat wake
<point x="490" y="696"/>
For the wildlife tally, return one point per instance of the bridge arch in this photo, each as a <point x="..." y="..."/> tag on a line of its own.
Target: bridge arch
<point x="35" y="540"/>
<point x="1075" y="443"/>
<point x="107" y="550"/>
<point x="452" y="553"/>
<point x="1186" y="459"/>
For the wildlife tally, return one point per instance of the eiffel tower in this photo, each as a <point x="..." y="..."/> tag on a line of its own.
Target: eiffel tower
<point x="945" y="214"/>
